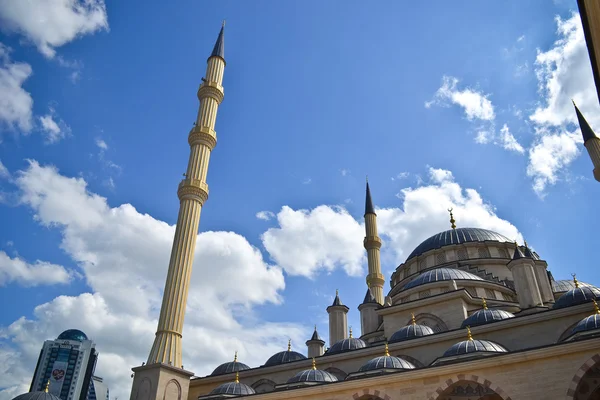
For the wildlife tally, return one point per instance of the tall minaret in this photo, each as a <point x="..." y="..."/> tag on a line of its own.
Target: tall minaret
<point x="372" y="243"/>
<point x="164" y="362"/>
<point x="590" y="141"/>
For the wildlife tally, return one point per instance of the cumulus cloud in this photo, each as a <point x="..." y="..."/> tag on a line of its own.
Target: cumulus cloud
<point x="101" y="144"/>
<point x="475" y="104"/>
<point x="53" y="128"/>
<point x="15" y="102"/>
<point x="4" y="174"/>
<point x="52" y="23"/>
<point x="20" y="271"/>
<point x="509" y="142"/>
<point x="264" y="215"/>
<point x="401" y="175"/>
<point x="564" y="73"/>
<point x="123" y="255"/>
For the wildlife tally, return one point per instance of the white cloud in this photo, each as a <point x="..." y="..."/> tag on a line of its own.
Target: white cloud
<point x="101" y="144"/>
<point x="25" y="274"/>
<point x="509" y="142"/>
<point x="123" y="255"/>
<point x="264" y="215"/>
<point x="344" y="172"/>
<point x="4" y="174"/>
<point x="52" y="23"/>
<point x="15" y="102"/>
<point x="401" y="175"/>
<point x="475" y="103"/>
<point x="521" y="38"/>
<point x="439" y="175"/>
<point x="564" y="73"/>
<point x="54" y="130"/>
<point x="306" y="181"/>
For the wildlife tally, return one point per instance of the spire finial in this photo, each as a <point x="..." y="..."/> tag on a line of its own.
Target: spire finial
<point x="235" y="357"/>
<point x="350" y="331"/>
<point x="387" y="350"/>
<point x="223" y="24"/>
<point x="290" y="342"/>
<point x="337" y="293"/>
<point x="525" y="243"/>
<point x="484" y="303"/>
<point x="412" y="317"/>
<point x="575" y="280"/>
<point x="47" y="386"/>
<point x="314" y="364"/>
<point x="596" y="307"/>
<point x="469" y="336"/>
<point x="237" y="377"/>
<point x="369" y="209"/>
<point x="452" y="221"/>
<point x="315" y="327"/>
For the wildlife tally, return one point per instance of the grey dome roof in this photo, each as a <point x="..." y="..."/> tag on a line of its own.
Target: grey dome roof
<point x="37" y="396"/>
<point x="578" y="295"/>
<point x="587" y="324"/>
<point x="351" y="343"/>
<point x="284" y="357"/>
<point x="457" y="236"/>
<point x="73" y="334"/>
<point x="386" y="362"/>
<point x="411" y="331"/>
<point x="233" y="388"/>
<point x="473" y="346"/>
<point x="441" y="274"/>
<point x="564" y="285"/>
<point x="229" y="367"/>
<point x="486" y="316"/>
<point x="312" y="375"/>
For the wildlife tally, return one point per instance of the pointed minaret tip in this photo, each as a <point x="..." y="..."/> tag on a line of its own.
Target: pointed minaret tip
<point x="586" y="129"/>
<point x="219" y="49"/>
<point x="369" y="209"/>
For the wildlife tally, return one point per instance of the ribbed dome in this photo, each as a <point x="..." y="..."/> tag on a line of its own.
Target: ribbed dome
<point x="73" y="334"/>
<point x="386" y="362"/>
<point x="578" y="295"/>
<point x="564" y="285"/>
<point x="457" y="236"/>
<point x="410" y="332"/>
<point x="312" y="375"/>
<point x="37" y="396"/>
<point x="473" y="346"/>
<point x="588" y="324"/>
<point x="233" y="388"/>
<point x="284" y="357"/>
<point x="229" y="367"/>
<point x="346" y="345"/>
<point x="441" y="274"/>
<point x="485" y="316"/>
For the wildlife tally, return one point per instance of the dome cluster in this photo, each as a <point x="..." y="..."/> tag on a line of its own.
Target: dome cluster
<point x="579" y="294"/>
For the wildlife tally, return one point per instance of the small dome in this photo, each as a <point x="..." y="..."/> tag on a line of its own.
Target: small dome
<point x="73" y="334"/>
<point x="474" y="346"/>
<point x="564" y="285"/>
<point x="486" y="316"/>
<point x="386" y="362"/>
<point x="351" y="343"/>
<point x="37" y="396"/>
<point x="233" y="388"/>
<point x="441" y="274"/>
<point x="284" y="357"/>
<point x="587" y="324"/>
<point x="577" y="295"/>
<point x="229" y="367"/>
<point x="410" y="332"/>
<point x="312" y="375"/>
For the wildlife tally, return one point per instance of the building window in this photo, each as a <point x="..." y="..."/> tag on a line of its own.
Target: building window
<point x="422" y="264"/>
<point x="424" y="293"/>
<point x="484" y="252"/>
<point x="490" y="294"/>
<point x="440" y="258"/>
<point x="462" y="254"/>
<point x="502" y="253"/>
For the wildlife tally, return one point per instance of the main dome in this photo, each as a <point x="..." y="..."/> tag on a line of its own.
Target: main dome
<point x="441" y="274"/>
<point x="73" y="334"/>
<point x="457" y="236"/>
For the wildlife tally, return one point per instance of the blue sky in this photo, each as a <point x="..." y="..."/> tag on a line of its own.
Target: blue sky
<point x="440" y="105"/>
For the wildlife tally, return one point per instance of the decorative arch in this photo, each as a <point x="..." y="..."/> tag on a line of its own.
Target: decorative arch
<point x="567" y="332"/>
<point x="430" y="320"/>
<point x="263" y="386"/>
<point x="368" y="394"/>
<point x="412" y="360"/>
<point x="338" y="373"/>
<point x="488" y="390"/>
<point x="172" y="390"/>
<point x="591" y="366"/>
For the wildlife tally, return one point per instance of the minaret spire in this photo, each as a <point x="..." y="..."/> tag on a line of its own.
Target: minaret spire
<point x="590" y="141"/>
<point x="372" y="244"/>
<point x="192" y="193"/>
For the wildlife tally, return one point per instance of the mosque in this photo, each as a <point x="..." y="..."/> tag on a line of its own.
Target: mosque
<point x="469" y="315"/>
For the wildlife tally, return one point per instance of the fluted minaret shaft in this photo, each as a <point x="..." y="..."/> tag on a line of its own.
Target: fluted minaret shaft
<point x="192" y="193"/>
<point x="372" y="244"/>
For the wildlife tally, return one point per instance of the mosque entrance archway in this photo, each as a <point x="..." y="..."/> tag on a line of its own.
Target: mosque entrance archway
<point x="588" y="387"/>
<point x="469" y="390"/>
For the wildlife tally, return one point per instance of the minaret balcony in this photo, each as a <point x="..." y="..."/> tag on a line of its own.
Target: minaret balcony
<point x="193" y="189"/>
<point x="203" y="135"/>
<point x="371" y="242"/>
<point x="211" y="89"/>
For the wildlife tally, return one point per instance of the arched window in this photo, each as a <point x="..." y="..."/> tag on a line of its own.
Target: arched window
<point x="466" y="389"/>
<point x="588" y="387"/>
<point x="430" y="320"/>
<point x="263" y="386"/>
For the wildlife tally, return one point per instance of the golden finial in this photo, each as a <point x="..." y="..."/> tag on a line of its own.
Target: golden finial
<point x="452" y="221"/>
<point x="350" y="331"/>
<point x="235" y="357"/>
<point x="314" y="364"/>
<point x="47" y="386"/>
<point x="575" y="280"/>
<point x="387" y="350"/>
<point x="289" y="344"/>
<point x="469" y="336"/>
<point x="596" y="307"/>
<point x="484" y="303"/>
<point x="237" y="377"/>
<point x="412" y="317"/>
